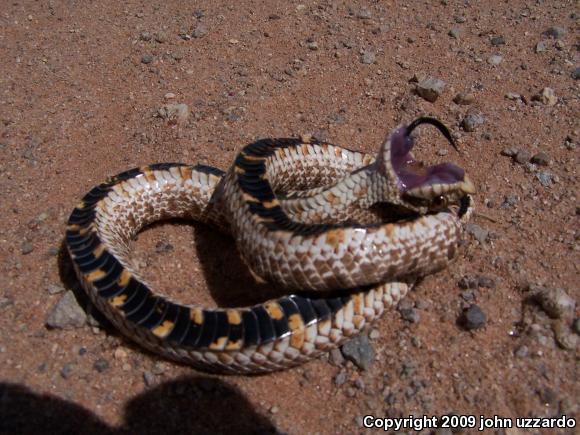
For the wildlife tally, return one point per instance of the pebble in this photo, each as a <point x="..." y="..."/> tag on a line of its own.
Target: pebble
<point x="509" y="201"/>
<point x="513" y="96"/>
<point x="359" y="351"/>
<point x="6" y="301"/>
<point x="464" y="98"/>
<point x="364" y="14"/>
<point x="565" y="338"/>
<point x="200" y="31"/>
<point x="312" y="45"/>
<point x="120" y="353"/>
<point x="522" y="351"/>
<point x="545" y="178"/>
<point x="472" y="121"/>
<point x="576" y="73"/>
<point x="541" y="159"/>
<point x="66" y="313"/>
<point x="374" y="334"/>
<point x="340" y="379"/>
<point x="556" y="32"/>
<point x="460" y="19"/>
<point x="546" y="97"/>
<point x="494" y="59"/>
<point x="161" y="37"/>
<point x="541" y="47"/>
<point x="430" y="88"/>
<point x="199" y="13"/>
<point x="468" y="282"/>
<point x="555" y="302"/>
<point x="145" y="36"/>
<point x="336" y="357"/>
<point x="54" y="289"/>
<point x="410" y="315"/>
<point x="473" y="317"/>
<point x="485" y="281"/>
<point x="442" y="152"/>
<point x="163" y="247"/>
<point x="67" y="370"/>
<point x="26" y="247"/>
<point x="146" y="59"/>
<point x="510" y="152"/>
<point x="148" y="378"/>
<point x="454" y="32"/>
<point x="274" y="410"/>
<point x="477" y="232"/>
<point x="101" y="365"/>
<point x="522" y="156"/>
<point x="497" y="41"/>
<point x="368" y="57"/>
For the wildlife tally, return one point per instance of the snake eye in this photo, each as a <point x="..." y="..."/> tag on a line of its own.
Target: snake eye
<point x="440" y="201"/>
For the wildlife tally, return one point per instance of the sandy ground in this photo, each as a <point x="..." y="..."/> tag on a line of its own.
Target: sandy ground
<point x="81" y="85"/>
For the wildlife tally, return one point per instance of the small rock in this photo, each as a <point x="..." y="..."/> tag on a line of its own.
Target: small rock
<point x="556" y="32"/>
<point x="374" y="334"/>
<point x="54" y="289"/>
<point x="576" y="73"/>
<point x="485" y="281"/>
<point x="161" y="37"/>
<point x="454" y="32"/>
<point x="545" y="178"/>
<point x="6" y="302"/>
<point x="472" y="121"/>
<point x="67" y="370"/>
<point x="541" y="47"/>
<point x="336" y="357"/>
<point x="513" y="96"/>
<point x="101" y="365"/>
<point x="148" y="378"/>
<point x="565" y="338"/>
<point x="120" y="353"/>
<point x="473" y="318"/>
<point x="477" y="232"/>
<point x="359" y="351"/>
<point x="199" y="31"/>
<point x="145" y="36"/>
<point x="522" y="156"/>
<point x="541" y="159"/>
<point x="510" y="152"/>
<point x="468" y="282"/>
<point x="163" y="247"/>
<point x="522" y="351"/>
<point x="460" y="19"/>
<point x="497" y="41"/>
<point x="312" y="45"/>
<point x="494" y="59"/>
<point x="468" y="295"/>
<point x="555" y="302"/>
<point x="274" y="410"/>
<point x="364" y="14"/>
<point x="464" y="98"/>
<point x="410" y="315"/>
<point x="430" y="88"/>
<point x="509" y="201"/>
<point x="66" y="313"/>
<point x="442" y="152"/>
<point x="26" y="247"/>
<point x="199" y="13"/>
<point x="546" y="97"/>
<point x="147" y="59"/>
<point x="340" y="379"/>
<point x="368" y="57"/>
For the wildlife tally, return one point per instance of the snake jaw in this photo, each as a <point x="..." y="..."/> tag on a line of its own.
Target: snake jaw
<point x="418" y="181"/>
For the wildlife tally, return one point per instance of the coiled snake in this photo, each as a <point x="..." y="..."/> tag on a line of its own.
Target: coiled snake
<point x="305" y="214"/>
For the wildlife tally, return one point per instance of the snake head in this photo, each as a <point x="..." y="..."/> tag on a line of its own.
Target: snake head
<point x="423" y="187"/>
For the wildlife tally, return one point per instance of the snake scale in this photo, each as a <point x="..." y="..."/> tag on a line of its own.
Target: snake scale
<point x="310" y="216"/>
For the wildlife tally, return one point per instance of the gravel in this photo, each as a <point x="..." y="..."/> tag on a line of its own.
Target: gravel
<point x="430" y="88"/>
<point x="66" y="313"/>
<point x="360" y="351"/>
<point x="473" y="318"/>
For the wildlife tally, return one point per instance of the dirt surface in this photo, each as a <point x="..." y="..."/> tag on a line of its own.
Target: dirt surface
<point x="81" y="85"/>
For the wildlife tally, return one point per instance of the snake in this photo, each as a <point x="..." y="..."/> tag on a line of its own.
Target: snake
<point x="343" y="233"/>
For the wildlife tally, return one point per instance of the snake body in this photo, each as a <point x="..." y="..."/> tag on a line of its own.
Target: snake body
<point x="288" y="241"/>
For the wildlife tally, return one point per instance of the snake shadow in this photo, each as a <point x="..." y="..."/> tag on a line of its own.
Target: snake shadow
<point x="186" y="405"/>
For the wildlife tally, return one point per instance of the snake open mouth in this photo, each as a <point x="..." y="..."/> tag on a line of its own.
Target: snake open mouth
<point x="413" y="174"/>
